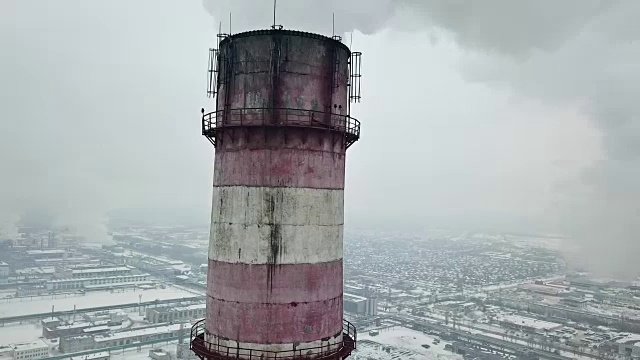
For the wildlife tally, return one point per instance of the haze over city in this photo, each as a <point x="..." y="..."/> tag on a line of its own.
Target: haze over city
<point x="494" y="122"/>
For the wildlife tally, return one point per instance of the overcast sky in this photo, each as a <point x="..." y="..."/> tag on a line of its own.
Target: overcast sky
<point x="495" y="114"/>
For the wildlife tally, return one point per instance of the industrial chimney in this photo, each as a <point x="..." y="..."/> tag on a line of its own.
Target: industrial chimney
<point x="281" y="129"/>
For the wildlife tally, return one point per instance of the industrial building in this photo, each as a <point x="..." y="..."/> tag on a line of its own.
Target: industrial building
<point x="46" y="254"/>
<point x="629" y="345"/>
<point x="574" y="301"/>
<point x="97" y="282"/>
<point x="101" y="272"/>
<point x="112" y="316"/>
<point x="360" y="304"/>
<point x="109" y="339"/>
<point x="78" y="343"/>
<point x="155" y="264"/>
<point x="543" y="289"/>
<point x="527" y="324"/>
<point x="281" y="128"/>
<point x="171" y="331"/>
<point x="65" y="330"/>
<point x="175" y="313"/>
<point x="31" y="290"/>
<point x="78" y="328"/>
<point x="50" y="322"/>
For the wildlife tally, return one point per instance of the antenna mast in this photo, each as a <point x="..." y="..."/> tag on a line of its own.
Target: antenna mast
<point x="333" y="25"/>
<point x="274" y="13"/>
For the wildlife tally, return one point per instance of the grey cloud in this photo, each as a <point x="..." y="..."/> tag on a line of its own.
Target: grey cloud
<point x="312" y="16"/>
<point x="503" y="26"/>
<point x="573" y="53"/>
<point x="598" y="66"/>
<point x="100" y="109"/>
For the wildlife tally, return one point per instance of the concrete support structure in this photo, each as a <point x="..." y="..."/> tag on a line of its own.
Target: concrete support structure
<point x="281" y="131"/>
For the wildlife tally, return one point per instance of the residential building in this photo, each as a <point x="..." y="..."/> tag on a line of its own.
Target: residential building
<point x="4" y="269"/>
<point x="31" y="350"/>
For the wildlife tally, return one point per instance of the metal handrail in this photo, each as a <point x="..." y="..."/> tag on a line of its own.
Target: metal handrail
<point x="279" y="117"/>
<point x="209" y="350"/>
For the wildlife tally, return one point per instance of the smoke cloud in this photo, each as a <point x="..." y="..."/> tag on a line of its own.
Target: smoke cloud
<point x="349" y="15"/>
<point x="582" y="54"/>
<point x="100" y="107"/>
<point x="575" y="54"/>
<point x="100" y="104"/>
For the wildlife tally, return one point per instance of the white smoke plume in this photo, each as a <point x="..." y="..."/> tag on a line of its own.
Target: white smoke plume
<point x="258" y="14"/>
<point x="582" y="54"/>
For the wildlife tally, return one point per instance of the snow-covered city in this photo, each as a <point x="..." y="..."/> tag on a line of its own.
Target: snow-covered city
<point x="319" y="180"/>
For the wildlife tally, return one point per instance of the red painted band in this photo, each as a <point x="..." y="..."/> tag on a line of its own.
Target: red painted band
<point x="274" y="284"/>
<point x="280" y="167"/>
<point x="274" y="323"/>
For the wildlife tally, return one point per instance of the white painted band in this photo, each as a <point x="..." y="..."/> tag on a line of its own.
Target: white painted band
<point x="282" y="205"/>
<point x="304" y="225"/>
<point x="296" y="244"/>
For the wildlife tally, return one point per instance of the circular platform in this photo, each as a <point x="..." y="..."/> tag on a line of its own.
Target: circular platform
<point x="214" y="123"/>
<point x="209" y="351"/>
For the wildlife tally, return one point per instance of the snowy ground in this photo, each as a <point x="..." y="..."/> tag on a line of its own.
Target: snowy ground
<point x="15" y="333"/>
<point x="408" y="344"/>
<point x="134" y="354"/>
<point x="25" y="306"/>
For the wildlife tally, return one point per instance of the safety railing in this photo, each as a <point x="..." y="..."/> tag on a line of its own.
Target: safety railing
<point x="214" y="122"/>
<point x="212" y="351"/>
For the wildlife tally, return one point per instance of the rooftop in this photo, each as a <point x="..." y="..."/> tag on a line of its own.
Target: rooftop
<point x="181" y="308"/>
<point x="352" y="297"/>
<point x="531" y="322"/>
<point x="29" y="346"/>
<point x="631" y="338"/>
<point x="69" y="259"/>
<point x="101" y="270"/>
<point x="45" y="252"/>
<point x="142" y="332"/>
<point x="98" y="355"/>
<point x="96" y="329"/>
<point x="97" y="278"/>
<point x="78" y="325"/>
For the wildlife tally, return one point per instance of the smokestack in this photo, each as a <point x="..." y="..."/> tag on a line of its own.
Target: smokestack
<point x="281" y="130"/>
